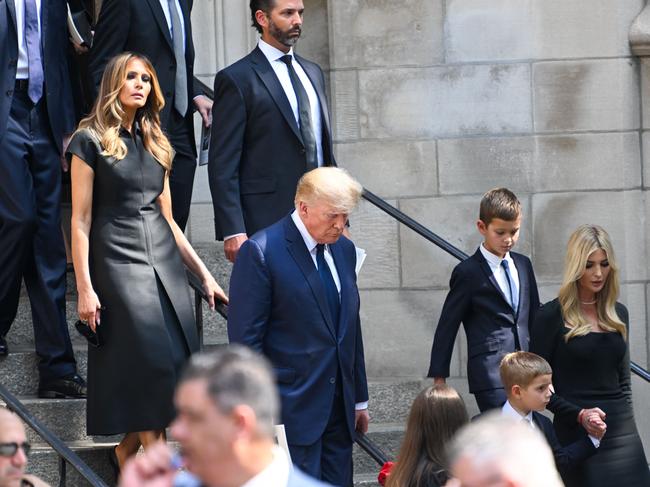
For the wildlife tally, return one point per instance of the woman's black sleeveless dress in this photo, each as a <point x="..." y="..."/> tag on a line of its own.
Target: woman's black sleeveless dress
<point x="592" y="371"/>
<point x="147" y="327"/>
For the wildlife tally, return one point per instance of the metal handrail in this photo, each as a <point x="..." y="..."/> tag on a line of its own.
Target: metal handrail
<point x="64" y="452"/>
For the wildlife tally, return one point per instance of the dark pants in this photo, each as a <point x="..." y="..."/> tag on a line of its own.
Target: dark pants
<point x="490" y="399"/>
<point x="330" y="458"/>
<point x="30" y="233"/>
<point x="181" y="135"/>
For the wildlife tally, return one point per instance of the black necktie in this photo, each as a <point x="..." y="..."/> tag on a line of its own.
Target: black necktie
<point x="304" y="115"/>
<point x="514" y="299"/>
<point x="328" y="282"/>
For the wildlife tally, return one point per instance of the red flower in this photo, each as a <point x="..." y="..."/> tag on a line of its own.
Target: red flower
<point x="384" y="473"/>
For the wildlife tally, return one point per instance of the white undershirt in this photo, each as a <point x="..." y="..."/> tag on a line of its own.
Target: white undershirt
<point x="22" y="68"/>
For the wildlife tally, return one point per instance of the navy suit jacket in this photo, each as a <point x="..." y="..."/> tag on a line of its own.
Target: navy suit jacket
<point x="492" y="327"/>
<point x="566" y="457"/>
<point x="279" y="308"/>
<point x="54" y="43"/>
<point x="256" y="151"/>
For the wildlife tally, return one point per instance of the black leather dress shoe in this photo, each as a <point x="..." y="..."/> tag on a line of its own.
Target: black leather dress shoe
<point x="72" y="386"/>
<point x="4" y="350"/>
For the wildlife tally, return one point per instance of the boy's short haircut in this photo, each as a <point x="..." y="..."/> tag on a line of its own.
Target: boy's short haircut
<point x="522" y="368"/>
<point x="499" y="203"/>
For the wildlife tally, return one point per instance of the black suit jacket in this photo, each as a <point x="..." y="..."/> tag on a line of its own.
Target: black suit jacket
<point x="140" y="26"/>
<point x="256" y="150"/>
<point x="54" y="42"/>
<point x="492" y="327"/>
<point x="569" y="456"/>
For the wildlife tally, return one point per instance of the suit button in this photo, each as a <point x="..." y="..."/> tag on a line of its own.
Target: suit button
<point x="171" y="67"/>
<point x="13" y="62"/>
<point x="10" y="92"/>
<point x="303" y="151"/>
<point x="332" y="380"/>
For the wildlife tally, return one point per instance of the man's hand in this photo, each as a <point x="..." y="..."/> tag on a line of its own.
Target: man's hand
<point x="204" y="106"/>
<point x="64" y="147"/>
<point x="151" y="469"/>
<point x="231" y="246"/>
<point x="361" y="420"/>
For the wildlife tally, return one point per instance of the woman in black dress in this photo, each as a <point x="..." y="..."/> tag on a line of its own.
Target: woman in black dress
<point x="128" y="256"/>
<point x="584" y="336"/>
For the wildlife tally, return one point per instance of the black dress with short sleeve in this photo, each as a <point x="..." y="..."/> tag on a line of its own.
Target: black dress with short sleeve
<point x="147" y="327"/>
<point x="592" y="371"/>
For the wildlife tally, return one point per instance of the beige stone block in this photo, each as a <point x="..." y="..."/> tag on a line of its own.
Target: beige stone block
<point x="314" y="41"/>
<point x="200" y="227"/>
<point x="454" y="219"/>
<point x="634" y="297"/>
<point x="487" y="30"/>
<point x="392" y="168"/>
<point x="235" y="35"/>
<point x="556" y="216"/>
<point x="450" y="100"/>
<point x="204" y="37"/>
<point x="645" y="138"/>
<point x="644" y="69"/>
<point x="586" y="95"/>
<point x="345" y="105"/>
<point x="385" y="33"/>
<point x="375" y="232"/>
<point x="544" y="163"/>
<point x="398" y="329"/>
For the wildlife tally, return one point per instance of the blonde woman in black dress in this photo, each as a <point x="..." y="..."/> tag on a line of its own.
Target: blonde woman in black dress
<point x="584" y="336"/>
<point x="128" y="256"/>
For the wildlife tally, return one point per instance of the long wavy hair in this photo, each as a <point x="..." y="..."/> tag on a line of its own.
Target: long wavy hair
<point x="106" y="117"/>
<point x="582" y="243"/>
<point x="436" y="414"/>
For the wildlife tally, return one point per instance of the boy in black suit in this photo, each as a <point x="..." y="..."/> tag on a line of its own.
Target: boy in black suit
<point x="494" y="294"/>
<point x="526" y="377"/>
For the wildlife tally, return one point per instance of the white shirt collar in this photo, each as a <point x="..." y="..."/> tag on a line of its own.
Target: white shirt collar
<point x="510" y="412"/>
<point x="272" y="53"/>
<point x="275" y="473"/>
<point x="306" y="236"/>
<point x="494" y="260"/>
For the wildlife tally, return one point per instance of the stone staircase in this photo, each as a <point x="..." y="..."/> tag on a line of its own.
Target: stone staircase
<point x="390" y="399"/>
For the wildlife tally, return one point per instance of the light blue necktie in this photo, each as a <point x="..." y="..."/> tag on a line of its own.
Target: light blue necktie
<point x="180" y="83"/>
<point x="514" y="298"/>
<point x="33" y="44"/>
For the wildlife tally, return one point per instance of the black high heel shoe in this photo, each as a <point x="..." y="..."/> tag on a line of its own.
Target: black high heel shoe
<point x="115" y="464"/>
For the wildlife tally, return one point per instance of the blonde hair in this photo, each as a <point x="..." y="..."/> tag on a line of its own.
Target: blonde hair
<point x="105" y="120"/>
<point x="582" y="243"/>
<point x="331" y="185"/>
<point x="499" y="203"/>
<point x="522" y="368"/>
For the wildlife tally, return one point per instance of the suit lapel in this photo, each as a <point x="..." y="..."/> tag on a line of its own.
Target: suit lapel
<point x="159" y="15"/>
<point x="314" y="76"/>
<point x="298" y="250"/>
<point x="11" y="7"/>
<point x="264" y="70"/>
<point x="186" y="24"/>
<point x="45" y="5"/>
<point x="490" y="275"/>
<point x="345" y="281"/>
<point x="523" y="279"/>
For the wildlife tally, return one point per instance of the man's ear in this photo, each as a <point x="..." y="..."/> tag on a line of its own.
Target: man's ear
<point x="482" y="227"/>
<point x="515" y="390"/>
<point x="262" y="18"/>
<point x="244" y="420"/>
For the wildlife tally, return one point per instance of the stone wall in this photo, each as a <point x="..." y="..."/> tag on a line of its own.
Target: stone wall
<point x="434" y="102"/>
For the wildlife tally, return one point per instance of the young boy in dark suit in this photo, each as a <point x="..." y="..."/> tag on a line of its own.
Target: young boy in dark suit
<point x="526" y="378"/>
<point x="494" y="294"/>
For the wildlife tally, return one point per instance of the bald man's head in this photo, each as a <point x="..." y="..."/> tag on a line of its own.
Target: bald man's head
<point x="13" y="460"/>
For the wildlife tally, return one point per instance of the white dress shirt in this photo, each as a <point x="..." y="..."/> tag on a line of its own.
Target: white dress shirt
<point x="276" y="473"/>
<point x="282" y="72"/>
<point x="310" y="243"/>
<point x="165" y="6"/>
<point x="500" y="274"/>
<point x="22" y="68"/>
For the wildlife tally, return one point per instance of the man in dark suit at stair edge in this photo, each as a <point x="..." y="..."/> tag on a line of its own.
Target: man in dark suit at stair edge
<point x="162" y="31"/>
<point x="272" y="125"/>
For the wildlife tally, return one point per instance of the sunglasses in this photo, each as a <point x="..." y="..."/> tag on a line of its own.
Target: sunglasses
<point x="10" y="449"/>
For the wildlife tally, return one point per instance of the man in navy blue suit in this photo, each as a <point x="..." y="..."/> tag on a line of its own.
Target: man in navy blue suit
<point x="36" y="114"/>
<point x="294" y="298"/>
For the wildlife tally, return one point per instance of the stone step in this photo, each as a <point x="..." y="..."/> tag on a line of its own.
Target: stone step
<point x="44" y="463"/>
<point x="366" y="480"/>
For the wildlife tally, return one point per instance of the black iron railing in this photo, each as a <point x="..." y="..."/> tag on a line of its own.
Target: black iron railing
<point x="66" y="455"/>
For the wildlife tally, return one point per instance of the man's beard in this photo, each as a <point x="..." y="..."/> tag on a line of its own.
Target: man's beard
<point x="286" y="38"/>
